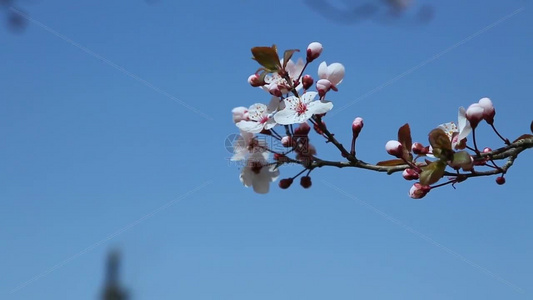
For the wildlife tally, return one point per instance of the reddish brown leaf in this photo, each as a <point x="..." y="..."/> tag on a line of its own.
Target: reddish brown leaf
<point x="390" y="163"/>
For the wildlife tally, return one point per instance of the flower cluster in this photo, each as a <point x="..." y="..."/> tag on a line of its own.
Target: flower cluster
<point x="443" y="143"/>
<point x="298" y="105"/>
<point x="291" y="103"/>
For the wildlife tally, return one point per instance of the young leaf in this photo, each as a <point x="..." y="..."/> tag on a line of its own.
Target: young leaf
<point x="461" y="158"/>
<point x="287" y="56"/>
<point x="432" y="172"/>
<point x="439" y="139"/>
<point x="267" y="57"/>
<point x="392" y="162"/>
<point x="404" y="137"/>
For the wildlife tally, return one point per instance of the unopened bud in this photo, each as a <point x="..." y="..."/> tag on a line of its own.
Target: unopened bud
<point x="487" y="150"/>
<point x="285" y="183"/>
<point x="357" y="126"/>
<point x="474" y="114"/>
<point x="500" y="180"/>
<point x="323" y="86"/>
<point x="394" y="148"/>
<point x="313" y="51"/>
<point x="418" y="191"/>
<point x="302" y="130"/>
<point x="305" y="182"/>
<point x="419" y="149"/>
<point x="287" y="142"/>
<point x="410" y="174"/>
<point x="274" y="89"/>
<point x="255" y="81"/>
<point x="307" y="82"/>
<point x="488" y="110"/>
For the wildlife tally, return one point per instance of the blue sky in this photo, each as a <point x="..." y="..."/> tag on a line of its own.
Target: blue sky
<point x="113" y="118"/>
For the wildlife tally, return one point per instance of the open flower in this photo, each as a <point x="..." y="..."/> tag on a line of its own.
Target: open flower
<point x="334" y="73"/>
<point x="301" y="109"/>
<point x="457" y="133"/>
<point x="247" y="144"/>
<point x="293" y="69"/>
<point x="258" y="173"/>
<point x="260" y="117"/>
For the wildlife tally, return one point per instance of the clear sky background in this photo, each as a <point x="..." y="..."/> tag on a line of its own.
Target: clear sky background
<point x="100" y="149"/>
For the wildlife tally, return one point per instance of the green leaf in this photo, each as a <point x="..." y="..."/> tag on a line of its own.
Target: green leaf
<point x="439" y="139"/>
<point x="404" y="137"/>
<point x="392" y="162"/>
<point x="461" y="158"/>
<point x="432" y="172"/>
<point x="267" y="57"/>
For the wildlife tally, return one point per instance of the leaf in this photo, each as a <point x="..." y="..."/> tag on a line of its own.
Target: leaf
<point x="392" y="162"/>
<point x="287" y="56"/>
<point x="267" y="57"/>
<point x="461" y="158"/>
<point x="404" y="137"/>
<point x="523" y="136"/>
<point x="432" y="172"/>
<point x="439" y="139"/>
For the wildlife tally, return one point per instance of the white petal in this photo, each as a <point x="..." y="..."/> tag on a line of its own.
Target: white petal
<point x="335" y="73"/>
<point x="273" y="105"/>
<point x="464" y="124"/>
<point x="250" y="126"/>
<point x="291" y="102"/>
<point x="308" y="97"/>
<point x="323" y="70"/>
<point x="319" y="107"/>
<point x="286" y="117"/>
<point x="257" y="111"/>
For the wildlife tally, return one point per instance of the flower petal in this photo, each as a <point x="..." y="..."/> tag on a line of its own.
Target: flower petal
<point x="250" y="126"/>
<point x="308" y="97"/>
<point x="335" y="73"/>
<point x="286" y="117"/>
<point x="319" y="107"/>
<point x="323" y="70"/>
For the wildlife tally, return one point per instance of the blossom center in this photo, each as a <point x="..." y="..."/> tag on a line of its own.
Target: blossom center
<point x="301" y="108"/>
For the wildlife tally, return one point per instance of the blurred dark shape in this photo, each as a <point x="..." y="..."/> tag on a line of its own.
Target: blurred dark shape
<point x="16" y="20"/>
<point x="382" y="11"/>
<point x="112" y="289"/>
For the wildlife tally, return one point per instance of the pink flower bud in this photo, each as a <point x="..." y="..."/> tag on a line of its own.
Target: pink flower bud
<point x="302" y="130"/>
<point x="313" y="51"/>
<point x="474" y="114"/>
<point x="394" y="148"/>
<point x="323" y="86"/>
<point x="255" y="81"/>
<point x="488" y="110"/>
<point x="287" y="142"/>
<point x="239" y="114"/>
<point x="419" y="149"/>
<point x="410" y="174"/>
<point x="305" y="182"/>
<point x="285" y="183"/>
<point x="357" y="126"/>
<point x="500" y="180"/>
<point x="487" y="150"/>
<point x="418" y="191"/>
<point x="307" y="81"/>
<point x="274" y="89"/>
